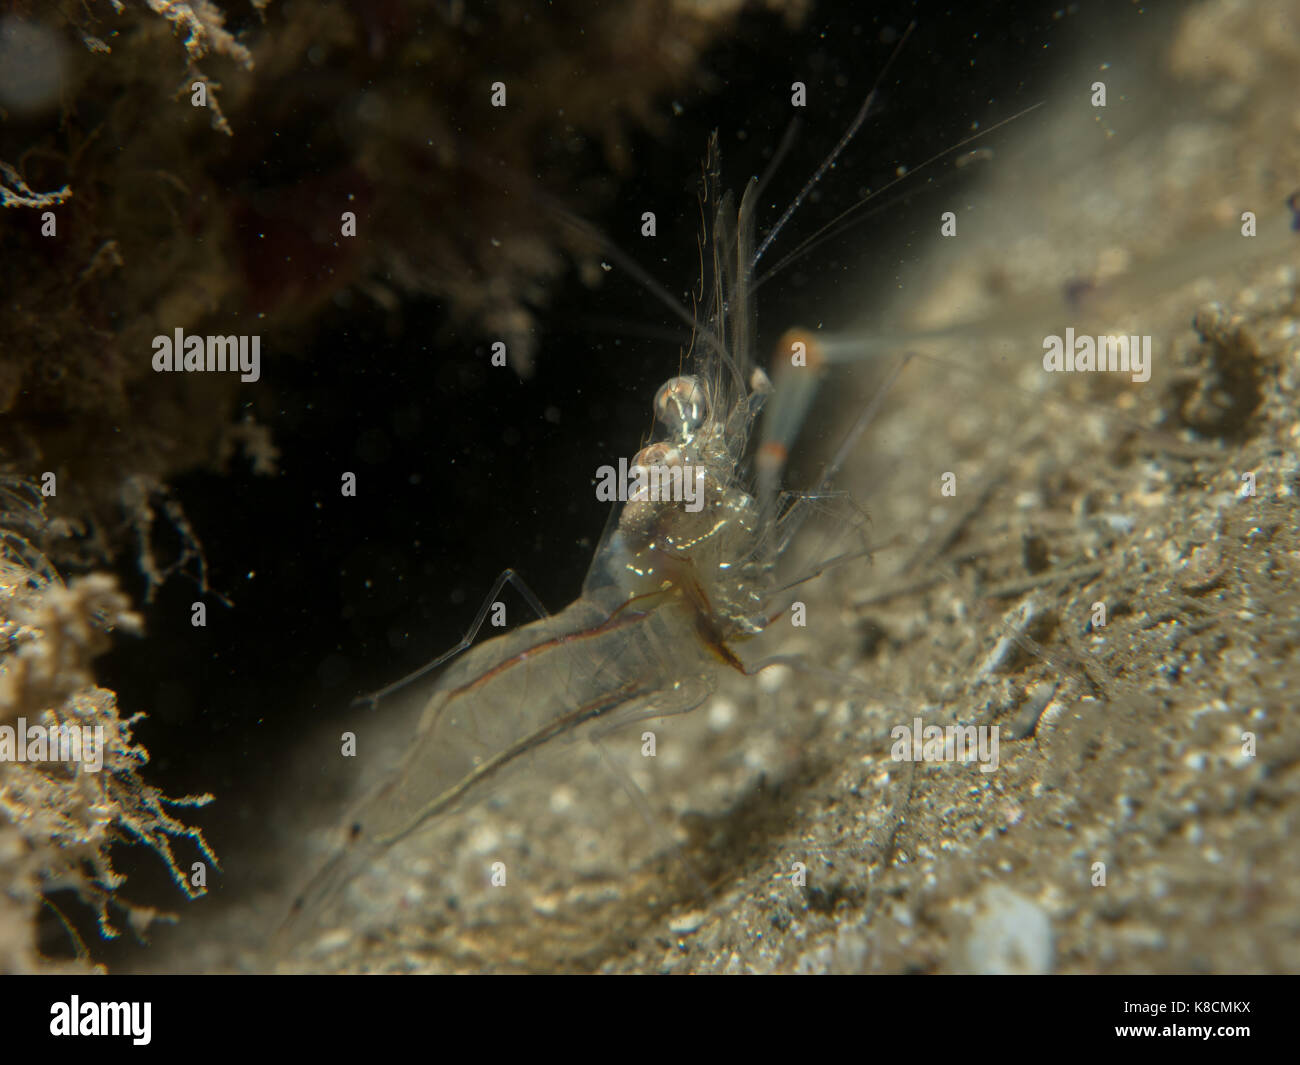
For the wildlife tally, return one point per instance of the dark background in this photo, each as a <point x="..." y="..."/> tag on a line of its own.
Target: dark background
<point x="465" y="469"/>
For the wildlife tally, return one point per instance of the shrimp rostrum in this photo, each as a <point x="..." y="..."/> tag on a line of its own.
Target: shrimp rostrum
<point x="681" y="580"/>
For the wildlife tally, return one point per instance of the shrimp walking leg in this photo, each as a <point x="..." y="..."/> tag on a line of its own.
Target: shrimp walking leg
<point x="466" y="641"/>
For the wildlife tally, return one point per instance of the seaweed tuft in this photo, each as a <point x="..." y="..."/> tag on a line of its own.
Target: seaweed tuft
<point x="59" y="816"/>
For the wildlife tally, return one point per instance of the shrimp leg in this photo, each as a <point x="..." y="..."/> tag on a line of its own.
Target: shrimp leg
<point x="466" y="641"/>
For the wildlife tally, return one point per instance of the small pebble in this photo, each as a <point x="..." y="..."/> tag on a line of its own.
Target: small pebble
<point x="686" y="923"/>
<point x="1010" y="935"/>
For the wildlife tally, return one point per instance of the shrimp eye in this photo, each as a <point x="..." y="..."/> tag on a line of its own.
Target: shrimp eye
<point x="681" y="405"/>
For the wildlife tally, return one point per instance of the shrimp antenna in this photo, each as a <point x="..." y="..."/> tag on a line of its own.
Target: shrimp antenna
<point x="622" y="259"/>
<point x="829" y="161"/>
<point x="840" y="222"/>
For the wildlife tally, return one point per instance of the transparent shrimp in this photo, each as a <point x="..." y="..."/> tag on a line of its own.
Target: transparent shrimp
<point x="676" y="584"/>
